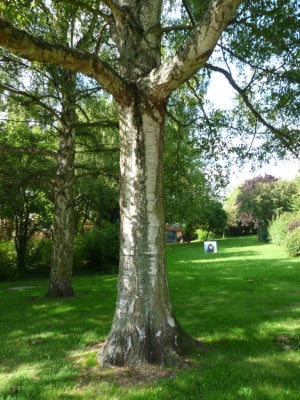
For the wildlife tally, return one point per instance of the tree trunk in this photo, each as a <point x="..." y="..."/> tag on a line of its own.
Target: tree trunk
<point x="21" y="240"/>
<point x="262" y="233"/>
<point x="60" y="284"/>
<point x="144" y="329"/>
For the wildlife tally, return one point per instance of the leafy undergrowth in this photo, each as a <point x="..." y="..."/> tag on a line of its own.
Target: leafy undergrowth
<point x="242" y="304"/>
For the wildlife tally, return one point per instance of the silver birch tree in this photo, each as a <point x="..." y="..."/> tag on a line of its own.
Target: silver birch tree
<point x="144" y="329"/>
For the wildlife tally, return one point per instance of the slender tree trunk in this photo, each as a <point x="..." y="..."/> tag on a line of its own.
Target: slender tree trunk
<point x="262" y="232"/>
<point x="21" y="248"/>
<point x="21" y="239"/>
<point x="60" y="284"/>
<point x="144" y="329"/>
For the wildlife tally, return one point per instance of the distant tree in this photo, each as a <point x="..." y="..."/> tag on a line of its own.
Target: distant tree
<point x="260" y="199"/>
<point x="214" y="218"/>
<point x="234" y="227"/>
<point x="54" y="99"/>
<point x="24" y="199"/>
<point x="190" y="188"/>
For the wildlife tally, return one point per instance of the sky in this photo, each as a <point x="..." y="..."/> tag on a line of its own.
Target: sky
<point x="221" y="94"/>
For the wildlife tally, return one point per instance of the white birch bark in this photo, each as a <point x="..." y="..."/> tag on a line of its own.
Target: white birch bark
<point x="144" y="329"/>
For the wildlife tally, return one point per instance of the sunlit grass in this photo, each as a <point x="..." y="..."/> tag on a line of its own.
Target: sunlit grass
<point x="243" y="303"/>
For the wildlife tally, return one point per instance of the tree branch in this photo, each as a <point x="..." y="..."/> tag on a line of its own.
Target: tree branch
<point x="27" y="121"/>
<point x="195" y="51"/>
<point x="189" y="13"/>
<point x="27" y="46"/>
<point x="291" y="75"/>
<point x="29" y="150"/>
<point x="201" y="106"/>
<point x="279" y="134"/>
<point x="99" y="150"/>
<point x="104" y="123"/>
<point x="124" y="15"/>
<point x="176" y="28"/>
<point x="30" y="96"/>
<point x="106" y="17"/>
<point x="179" y="122"/>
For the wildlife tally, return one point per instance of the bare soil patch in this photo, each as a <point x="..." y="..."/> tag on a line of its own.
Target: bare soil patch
<point x="130" y="376"/>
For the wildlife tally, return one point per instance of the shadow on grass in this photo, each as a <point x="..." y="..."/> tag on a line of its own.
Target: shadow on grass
<point x="40" y="329"/>
<point x="237" y="301"/>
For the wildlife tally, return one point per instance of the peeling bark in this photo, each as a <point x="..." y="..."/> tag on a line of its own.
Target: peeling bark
<point x="144" y="329"/>
<point x="27" y="46"/>
<point x="60" y="284"/>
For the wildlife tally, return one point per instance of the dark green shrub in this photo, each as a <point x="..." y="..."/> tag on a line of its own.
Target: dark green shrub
<point x="98" y="250"/>
<point x="38" y="256"/>
<point x="8" y="267"/>
<point x="292" y="242"/>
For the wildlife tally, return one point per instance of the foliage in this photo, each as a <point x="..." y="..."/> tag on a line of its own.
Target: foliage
<point x="214" y="218"/>
<point x="293" y="225"/>
<point x="262" y="198"/>
<point x="26" y="205"/>
<point x="270" y="62"/>
<point x="49" y="347"/>
<point x="185" y="186"/>
<point x="234" y="226"/>
<point x="96" y="201"/>
<point x="25" y="179"/>
<point x="278" y="228"/>
<point x="8" y="267"/>
<point x="39" y="256"/>
<point x="296" y="199"/>
<point x="253" y="204"/>
<point x="98" y="250"/>
<point x="284" y="231"/>
<point x="292" y="242"/>
<point x="190" y="189"/>
<point x="202" y="235"/>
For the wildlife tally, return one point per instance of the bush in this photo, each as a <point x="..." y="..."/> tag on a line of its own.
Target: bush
<point x="98" y="250"/>
<point x="202" y="233"/>
<point x="293" y="225"/>
<point x="292" y="242"/>
<point x="278" y="228"/>
<point x="8" y="267"/>
<point x="38" y="257"/>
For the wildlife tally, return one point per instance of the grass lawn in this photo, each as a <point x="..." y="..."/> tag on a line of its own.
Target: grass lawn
<point x="243" y="303"/>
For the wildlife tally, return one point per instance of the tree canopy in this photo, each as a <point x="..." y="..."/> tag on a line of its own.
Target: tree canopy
<point x="257" y="201"/>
